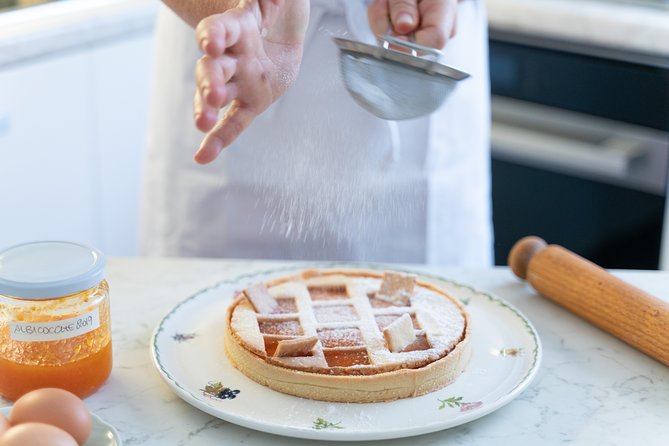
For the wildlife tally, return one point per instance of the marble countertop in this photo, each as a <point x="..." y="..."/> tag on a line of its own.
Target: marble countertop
<point x="632" y="26"/>
<point x="590" y="389"/>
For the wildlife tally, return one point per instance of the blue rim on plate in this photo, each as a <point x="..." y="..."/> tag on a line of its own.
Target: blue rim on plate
<point x="187" y="351"/>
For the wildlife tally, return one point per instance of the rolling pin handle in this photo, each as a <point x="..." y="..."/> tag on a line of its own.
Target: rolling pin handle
<point x="522" y="252"/>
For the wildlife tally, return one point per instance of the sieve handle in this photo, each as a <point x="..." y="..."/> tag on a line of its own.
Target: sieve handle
<point x="415" y="48"/>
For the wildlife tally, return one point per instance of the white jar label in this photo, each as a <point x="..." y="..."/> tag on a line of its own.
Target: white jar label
<point x="55" y="330"/>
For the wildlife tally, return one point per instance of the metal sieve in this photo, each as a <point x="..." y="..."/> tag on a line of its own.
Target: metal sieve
<point x="396" y="84"/>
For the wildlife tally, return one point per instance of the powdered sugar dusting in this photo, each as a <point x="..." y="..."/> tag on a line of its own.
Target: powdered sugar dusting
<point x="338" y="180"/>
<point x="335" y="313"/>
<point x="340" y="337"/>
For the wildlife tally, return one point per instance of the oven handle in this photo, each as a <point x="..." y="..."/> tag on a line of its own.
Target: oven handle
<point x="563" y="152"/>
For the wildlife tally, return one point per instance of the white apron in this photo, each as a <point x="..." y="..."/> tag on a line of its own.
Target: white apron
<point x="316" y="176"/>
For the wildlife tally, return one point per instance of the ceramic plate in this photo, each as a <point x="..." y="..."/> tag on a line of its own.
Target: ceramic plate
<point x="103" y="434"/>
<point x="187" y="349"/>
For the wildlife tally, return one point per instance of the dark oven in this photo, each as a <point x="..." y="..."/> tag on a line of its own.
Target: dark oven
<point x="580" y="145"/>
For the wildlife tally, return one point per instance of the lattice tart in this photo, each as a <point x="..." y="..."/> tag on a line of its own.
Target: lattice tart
<point x="348" y="335"/>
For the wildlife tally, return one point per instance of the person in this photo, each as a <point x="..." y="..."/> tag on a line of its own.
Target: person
<point x="293" y="167"/>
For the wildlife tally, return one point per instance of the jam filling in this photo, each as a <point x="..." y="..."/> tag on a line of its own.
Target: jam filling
<point x="287" y="327"/>
<point x="346" y="358"/>
<point x="328" y="292"/>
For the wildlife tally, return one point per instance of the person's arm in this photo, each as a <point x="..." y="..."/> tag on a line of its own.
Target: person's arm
<point x="192" y="11"/>
<point x="252" y="53"/>
<point x="432" y="22"/>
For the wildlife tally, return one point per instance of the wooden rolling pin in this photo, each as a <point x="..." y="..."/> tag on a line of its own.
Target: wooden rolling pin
<point x="587" y="290"/>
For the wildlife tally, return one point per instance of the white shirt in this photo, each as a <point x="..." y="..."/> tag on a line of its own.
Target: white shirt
<point x="316" y="176"/>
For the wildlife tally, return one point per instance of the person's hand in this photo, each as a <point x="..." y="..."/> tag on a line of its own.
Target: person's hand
<point x="252" y="55"/>
<point x="432" y="22"/>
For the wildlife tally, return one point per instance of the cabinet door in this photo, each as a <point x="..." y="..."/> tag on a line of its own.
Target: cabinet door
<point x="121" y="88"/>
<point x="72" y="134"/>
<point x="47" y="183"/>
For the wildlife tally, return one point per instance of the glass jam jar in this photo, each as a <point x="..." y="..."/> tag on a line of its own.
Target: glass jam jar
<point x="54" y="319"/>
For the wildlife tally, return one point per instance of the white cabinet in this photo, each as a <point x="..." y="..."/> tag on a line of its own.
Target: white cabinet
<point x="121" y="85"/>
<point x="72" y="128"/>
<point x="46" y="180"/>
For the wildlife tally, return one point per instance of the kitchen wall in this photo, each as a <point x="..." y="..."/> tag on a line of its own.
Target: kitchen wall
<point x="74" y="86"/>
<point x="12" y="4"/>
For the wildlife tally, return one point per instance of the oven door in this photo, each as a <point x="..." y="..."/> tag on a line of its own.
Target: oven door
<point x="594" y="185"/>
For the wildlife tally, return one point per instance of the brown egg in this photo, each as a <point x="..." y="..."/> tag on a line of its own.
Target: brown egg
<point x="4" y="424"/>
<point x="57" y="407"/>
<point x="36" y="434"/>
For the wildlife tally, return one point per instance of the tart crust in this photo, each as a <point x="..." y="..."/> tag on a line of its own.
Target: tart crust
<point x="346" y="384"/>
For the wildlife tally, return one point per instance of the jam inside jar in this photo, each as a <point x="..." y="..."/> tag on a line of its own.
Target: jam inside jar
<point x="55" y="326"/>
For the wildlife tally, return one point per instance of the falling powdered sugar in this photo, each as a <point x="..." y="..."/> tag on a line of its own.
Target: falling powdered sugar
<point x="323" y="178"/>
<point x="347" y="193"/>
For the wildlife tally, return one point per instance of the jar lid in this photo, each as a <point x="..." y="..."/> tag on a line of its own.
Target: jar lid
<point x="49" y="269"/>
